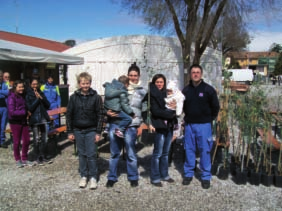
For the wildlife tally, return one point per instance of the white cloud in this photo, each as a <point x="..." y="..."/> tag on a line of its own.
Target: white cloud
<point x="262" y="40"/>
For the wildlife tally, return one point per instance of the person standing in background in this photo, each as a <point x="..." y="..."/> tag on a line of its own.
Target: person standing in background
<point x="4" y="90"/>
<point x="52" y="94"/>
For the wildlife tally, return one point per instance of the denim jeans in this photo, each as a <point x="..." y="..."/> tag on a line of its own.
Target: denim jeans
<point x="198" y="136"/>
<point x="159" y="162"/>
<point x="40" y="143"/>
<point x="125" y="121"/>
<point x="116" y="144"/>
<point x="86" y="148"/>
<point x="3" y="123"/>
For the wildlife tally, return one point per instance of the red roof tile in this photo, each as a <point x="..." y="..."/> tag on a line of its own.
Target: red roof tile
<point x="33" y="41"/>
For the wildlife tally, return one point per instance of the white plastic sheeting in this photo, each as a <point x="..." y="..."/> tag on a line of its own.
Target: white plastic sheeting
<point x="12" y="51"/>
<point x="110" y="58"/>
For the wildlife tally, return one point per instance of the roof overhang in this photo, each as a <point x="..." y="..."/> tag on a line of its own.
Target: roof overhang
<point x="12" y="51"/>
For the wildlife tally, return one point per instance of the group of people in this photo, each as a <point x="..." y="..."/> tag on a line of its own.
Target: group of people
<point x="126" y="105"/>
<point x="25" y="106"/>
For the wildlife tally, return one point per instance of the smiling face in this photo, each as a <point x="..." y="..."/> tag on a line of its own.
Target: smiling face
<point x="159" y="83"/>
<point x="34" y="84"/>
<point x="84" y="85"/>
<point x="19" y="88"/>
<point x="133" y="76"/>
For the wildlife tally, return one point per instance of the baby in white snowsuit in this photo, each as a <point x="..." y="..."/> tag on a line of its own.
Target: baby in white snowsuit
<point x="174" y="94"/>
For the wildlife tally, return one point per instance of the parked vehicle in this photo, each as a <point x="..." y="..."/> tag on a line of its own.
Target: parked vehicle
<point x="241" y="75"/>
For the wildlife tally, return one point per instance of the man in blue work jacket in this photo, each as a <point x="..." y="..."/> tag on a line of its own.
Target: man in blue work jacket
<point x="52" y="94"/>
<point x="201" y="107"/>
<point x="4" y="90"/>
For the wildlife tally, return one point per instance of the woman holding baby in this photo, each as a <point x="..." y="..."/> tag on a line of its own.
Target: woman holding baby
<point x="162" y="123"/>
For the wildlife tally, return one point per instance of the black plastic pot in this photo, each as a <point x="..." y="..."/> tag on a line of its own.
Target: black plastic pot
<point x="255" y="177"/>
<point x="223" y="173"/>
<point x="214" y="168"/>
<point x="233" y="167"/>
<point x="278" y="180"/>
<point x="241" y="176"/>
<point x="266" y="180"/>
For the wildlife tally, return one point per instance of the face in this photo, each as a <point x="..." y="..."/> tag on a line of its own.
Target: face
<point x="84" y="84"/>
<point x="159" y="83"/>
<point x="196" y="74"/>
<point x="50" y="80"/>
<point x="6" y="77"/>
<point x="20" y="88"/>
<point x="133" y="77"/>
<point x="169" y="92"/>
<point x="34" y="84"/>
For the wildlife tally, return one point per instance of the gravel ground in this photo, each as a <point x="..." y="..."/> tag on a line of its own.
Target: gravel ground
<point x="55" y="187"/>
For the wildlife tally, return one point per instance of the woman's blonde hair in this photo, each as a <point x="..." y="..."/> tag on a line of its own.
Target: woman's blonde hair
<point x="83" y="75"/>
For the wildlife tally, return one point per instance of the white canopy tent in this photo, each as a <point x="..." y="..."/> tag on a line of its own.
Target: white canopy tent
<point x="12" y="51"/>
<point x="109" y="58"/>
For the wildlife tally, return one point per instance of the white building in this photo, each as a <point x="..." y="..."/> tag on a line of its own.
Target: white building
<point x="110" y="58"/>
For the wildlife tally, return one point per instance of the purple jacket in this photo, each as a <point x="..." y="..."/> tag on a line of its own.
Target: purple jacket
<point x="17" y="110"/>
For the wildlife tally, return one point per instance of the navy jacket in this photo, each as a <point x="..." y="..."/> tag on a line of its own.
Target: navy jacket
<point x="37" y="107"/>
<point x="161" y="117"/>
<point x="201" y="103"/>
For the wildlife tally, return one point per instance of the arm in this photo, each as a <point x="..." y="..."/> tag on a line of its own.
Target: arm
<point x="214" y="103"/>
<point x="4" y="91"/>
<point x="31" y="106"/>
<point x="100" y="111"/>
<point x="44" y="100"/>
<point x="159" y="112"/>
<point x="58" y="96"/>
<point x="124" y="102"/>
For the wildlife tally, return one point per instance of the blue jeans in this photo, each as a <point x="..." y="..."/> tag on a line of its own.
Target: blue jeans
<point x="3" y="119"/>
<point x="198" y="136"/>
<point x="159" y="162"/>
<point x="116" y="144"/>
<point x="86" y="149"/>
<point x="125" y="120"/>
<point x="56" y="121"/>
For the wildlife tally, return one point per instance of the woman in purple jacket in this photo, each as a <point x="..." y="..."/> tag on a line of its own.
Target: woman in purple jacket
<point x="17" y="114"/>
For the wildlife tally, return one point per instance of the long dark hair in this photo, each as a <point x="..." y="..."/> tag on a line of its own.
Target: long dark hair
<point x="15" y="84"/>
<point x="34" y="79"/>
<point x="156" y="77"/>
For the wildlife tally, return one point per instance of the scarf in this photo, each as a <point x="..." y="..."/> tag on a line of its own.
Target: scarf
<point x="133" y="86"/>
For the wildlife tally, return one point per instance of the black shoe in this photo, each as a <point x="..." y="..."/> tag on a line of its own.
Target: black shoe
<point x="110" y="183"/>
<point x="134" y="183"/>
<point x="187" y="180"/>
<point x="49" y="161"/>
<point x="170" y="180"/>
<point x="4" y="145"/>
<point x="206" y="184"/>
<point x="157" y="184"/>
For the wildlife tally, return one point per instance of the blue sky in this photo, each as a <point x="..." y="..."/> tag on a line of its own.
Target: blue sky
<point x="84" y="20"/>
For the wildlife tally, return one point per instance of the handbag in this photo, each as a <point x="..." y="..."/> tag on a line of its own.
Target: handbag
<point x="147" y="136"/>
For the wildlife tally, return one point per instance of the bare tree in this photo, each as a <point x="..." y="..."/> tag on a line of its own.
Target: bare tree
<point x="193" y="21"/>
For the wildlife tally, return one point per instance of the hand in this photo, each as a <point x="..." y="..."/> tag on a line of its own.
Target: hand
<point x="172" y="104"/>
<point x="71" y="137"/>
<point x="97" y="138"/>
<point x="151" y="128"/>
<point x="111" y="113"/>
<point x="28" y="114"/>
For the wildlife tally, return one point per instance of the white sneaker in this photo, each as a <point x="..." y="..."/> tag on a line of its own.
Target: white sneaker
<point x="93" y="184"/>
<point x="83" y="182"/>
